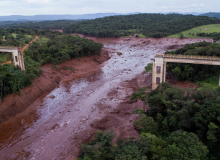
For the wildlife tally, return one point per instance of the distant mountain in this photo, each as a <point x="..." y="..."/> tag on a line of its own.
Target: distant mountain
<point x="212" y="14"/>
<point x="58" y="17"/>
<point x="185" y="13"/>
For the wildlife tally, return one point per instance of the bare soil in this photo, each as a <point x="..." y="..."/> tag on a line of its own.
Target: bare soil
<point x="183" y="84"/>
<point x="6" y="62"/>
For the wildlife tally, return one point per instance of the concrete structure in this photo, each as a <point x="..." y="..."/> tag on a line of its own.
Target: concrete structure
<point x="159" y="65"/>
<point x="17" y="55"/>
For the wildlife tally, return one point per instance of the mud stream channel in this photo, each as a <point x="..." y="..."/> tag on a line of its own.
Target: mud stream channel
<point x="54" y="125"/>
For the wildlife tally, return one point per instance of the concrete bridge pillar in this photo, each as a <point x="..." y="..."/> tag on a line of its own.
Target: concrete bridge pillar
<point x="159" y="72"/>
<point x="17" y="56"/>
<point x="219" y="81"/>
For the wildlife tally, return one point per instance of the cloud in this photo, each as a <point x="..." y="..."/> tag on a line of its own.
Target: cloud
<point x="37" y="1"/>
<point x="42" y="7"/>
<point x="189" y="6"/>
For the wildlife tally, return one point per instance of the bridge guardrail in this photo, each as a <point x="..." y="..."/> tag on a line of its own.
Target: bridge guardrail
<point x="8" y="47"/>
<point x="189" y="57"/>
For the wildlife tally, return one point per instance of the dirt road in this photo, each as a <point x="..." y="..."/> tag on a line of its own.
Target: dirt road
<point x="53" y="126"/>
<point x="25" y="47"/>
<point x="22" y="50"/>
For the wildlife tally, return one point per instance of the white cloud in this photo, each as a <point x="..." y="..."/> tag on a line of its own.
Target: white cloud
<point x="37" y="1"/>
<point x="189" y="6"/>
<point x="33" y="7"/>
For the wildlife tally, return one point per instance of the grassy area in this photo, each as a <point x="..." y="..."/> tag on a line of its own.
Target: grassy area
<point x="29" y="36"/>
<point x="212" y="80"/>
<point x="141" y="35"/>
<point x="201" y="29"/>
<point x="42" y="40"/>
<point x="14" y="35"/>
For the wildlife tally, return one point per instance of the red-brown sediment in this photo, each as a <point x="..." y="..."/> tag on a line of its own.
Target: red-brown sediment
<point x="6" y="63"/>
<point x="13" y="104"/>
<point x="53" y="126"/>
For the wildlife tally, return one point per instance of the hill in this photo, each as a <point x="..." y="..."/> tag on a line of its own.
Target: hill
<point x="57" y="17"/>
<point x="58" y="24"/>
<point x="150" y="25"/>
<point x="193" y="33"/>
<point x="212" y="14"/>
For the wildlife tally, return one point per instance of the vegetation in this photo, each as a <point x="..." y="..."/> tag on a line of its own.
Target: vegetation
<point x="195" y="72"/>
<point x="214" y="81"/>
<point x="16" y="37"/>
<point x="52" y="47"/>
<point x="150" y="25"/>
<point x="4" y="57"/>
<point x="55" y="47"/>
<point x="58" y="24"/>
<point x="178" y="124"/>
<point x="207" y="31"/>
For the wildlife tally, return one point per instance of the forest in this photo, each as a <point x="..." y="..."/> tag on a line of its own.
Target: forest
<point x="150" y="25"/>
<point x="16" y="37"/>
<point x="214" y="35"/>
<point x="51" y="47"/>
<point x="180" y="124"/>
<point x="195" y="72"/>
<point x="58" y="24"/>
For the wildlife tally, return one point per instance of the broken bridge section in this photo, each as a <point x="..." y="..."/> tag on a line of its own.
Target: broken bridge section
<point x="17" y="55"/>
<point x="159" y="65"/>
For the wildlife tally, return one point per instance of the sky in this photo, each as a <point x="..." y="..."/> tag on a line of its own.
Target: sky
<point x="49" y="7"/>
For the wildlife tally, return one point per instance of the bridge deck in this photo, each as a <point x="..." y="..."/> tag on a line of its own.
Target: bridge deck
<point x="159" y="65"/>
<point x="207" y="60"/>
<point x="8" y="47"/>
<point x="193" y="57"/>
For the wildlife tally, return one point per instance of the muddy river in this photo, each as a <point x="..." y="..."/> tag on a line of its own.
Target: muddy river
<point x="54" y="125"/>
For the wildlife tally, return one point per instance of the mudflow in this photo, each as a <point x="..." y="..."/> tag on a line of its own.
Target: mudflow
<point x="55" y="124"/>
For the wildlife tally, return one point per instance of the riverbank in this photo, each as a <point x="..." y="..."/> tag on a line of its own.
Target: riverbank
<point x="51" y="77"/>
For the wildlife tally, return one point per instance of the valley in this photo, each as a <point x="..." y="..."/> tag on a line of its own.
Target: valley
<point x="65" y="108"/>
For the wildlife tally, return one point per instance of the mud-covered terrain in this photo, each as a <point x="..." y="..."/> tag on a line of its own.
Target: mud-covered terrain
<point x="55" y="124"/>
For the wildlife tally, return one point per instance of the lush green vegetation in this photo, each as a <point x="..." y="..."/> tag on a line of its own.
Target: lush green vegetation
<point x="16" y="37"/>
<point x="58" y="24"/>
<point x="212" y="14"/>
<point x="208" y="31"/>
<point x="150" y="25"/>
<point x="179" y="124"/>
<point x="56" y="47"/>
<point x="52" y="47"/>
<point x="4" y="57"/>
<point x="195" y="72"/>
<point x="214" y="81"/>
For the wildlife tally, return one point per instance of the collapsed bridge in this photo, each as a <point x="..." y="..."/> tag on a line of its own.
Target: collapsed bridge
<point x="17" y="55"/>
<point x="159" y="65"/>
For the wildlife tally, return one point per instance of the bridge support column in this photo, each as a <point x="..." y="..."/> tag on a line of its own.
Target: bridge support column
<point x="158" y="73"/>
<point x="164" y="71"/>
<point x="219" y="81"/>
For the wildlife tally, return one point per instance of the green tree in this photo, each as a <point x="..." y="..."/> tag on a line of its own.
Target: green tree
<point x="186" y="146"/>
<point x="176" y="71"/>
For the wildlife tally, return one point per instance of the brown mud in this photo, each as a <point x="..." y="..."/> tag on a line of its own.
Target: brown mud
<point x="13" y="104"/>
<point x="59" y="30"/>
<point x="6" y="62"/>
<point x="53" y="126"/>
<point x="182" y="84"/>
